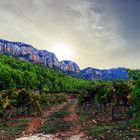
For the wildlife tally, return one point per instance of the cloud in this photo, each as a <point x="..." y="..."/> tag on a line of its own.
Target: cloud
<point x="90" y="27"/>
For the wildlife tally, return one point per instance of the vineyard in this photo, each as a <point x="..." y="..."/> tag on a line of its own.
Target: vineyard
<point x="41" y="102"/>
<point x="118" y="101"/>
<point x="16" y="102"/>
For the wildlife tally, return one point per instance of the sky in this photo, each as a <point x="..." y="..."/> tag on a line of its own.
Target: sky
<point x="93" y="33"/>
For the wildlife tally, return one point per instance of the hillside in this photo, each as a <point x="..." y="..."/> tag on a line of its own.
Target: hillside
<point x="20" y="74"/>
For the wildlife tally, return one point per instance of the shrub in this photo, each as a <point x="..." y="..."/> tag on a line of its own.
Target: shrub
<point x="56" y="126"/>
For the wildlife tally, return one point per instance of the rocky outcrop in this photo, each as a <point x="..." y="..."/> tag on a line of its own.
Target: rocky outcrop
<point x="69" y="66"/>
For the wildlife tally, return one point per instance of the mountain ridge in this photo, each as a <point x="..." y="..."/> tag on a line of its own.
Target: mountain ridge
<point x="27" y="52"/>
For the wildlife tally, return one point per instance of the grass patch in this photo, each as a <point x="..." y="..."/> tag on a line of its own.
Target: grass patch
<point x="113" y="131"/>
<point x="95" y="131"/>
<point x="135" y="122"/>
<point x="84" y="115"/>
<point x="59" y="114"/>
<point x="13" y="127"/>
<point x="56" y="126"/>
<point x="83" y="118"/>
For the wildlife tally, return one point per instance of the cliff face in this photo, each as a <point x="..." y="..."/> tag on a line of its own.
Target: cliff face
<point x="111" y="74"/>
<point x="27" y="52"/>
<point x="69" y="66"/>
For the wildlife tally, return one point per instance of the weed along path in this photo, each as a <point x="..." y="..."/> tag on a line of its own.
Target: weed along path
<point x="75" y="132"/>
<point x="60" y="122"/>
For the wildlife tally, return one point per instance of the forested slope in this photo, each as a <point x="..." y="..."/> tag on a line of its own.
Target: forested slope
<point x="20" y="74"/>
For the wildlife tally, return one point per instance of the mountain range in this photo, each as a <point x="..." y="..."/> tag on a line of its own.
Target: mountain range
<point x="26" y="52"/>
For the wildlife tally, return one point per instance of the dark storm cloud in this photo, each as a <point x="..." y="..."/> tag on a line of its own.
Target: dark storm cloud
<point x="128" y="14"/>
<point x="128" y="11"/>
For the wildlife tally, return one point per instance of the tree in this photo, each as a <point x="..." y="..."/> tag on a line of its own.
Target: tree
<point x="24" y="100"/>
<point x="12" y="84"/>
<point x="2" y="85"/>
<point x="121" y="91"/>
<point x="45" y="89"/>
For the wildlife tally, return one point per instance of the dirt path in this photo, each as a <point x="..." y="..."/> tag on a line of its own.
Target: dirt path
<point x="74" y="133"/>
<point x="38" y="122"/>
<point x="76" y="130"/>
